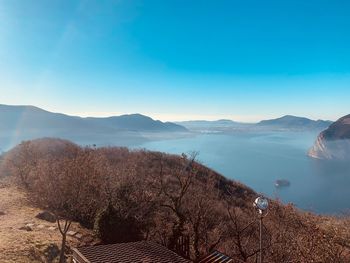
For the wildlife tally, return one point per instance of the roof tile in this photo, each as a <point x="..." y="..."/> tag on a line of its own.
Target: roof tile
<point x="141" y="252"/>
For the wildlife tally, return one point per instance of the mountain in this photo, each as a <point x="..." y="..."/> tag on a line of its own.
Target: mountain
<point x="334" y="142"/>
<point x="30" y="117"/>
<point x="339" y="130"/>
<point x="28" y="122"/>
<point x="294" y="122"/>
<point x="137" y="122"/>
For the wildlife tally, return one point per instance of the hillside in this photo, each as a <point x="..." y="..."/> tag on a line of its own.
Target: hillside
<point x="334" y="142"/>
<point x="25" y="238"/>
<point x="339" y="130"/>
<point x="294" y="122"/>
<point x="162" y="197"/>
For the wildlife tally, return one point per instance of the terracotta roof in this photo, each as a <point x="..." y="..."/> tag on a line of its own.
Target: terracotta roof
<point x="216" y="257"/>
<point x="140" y="252"/>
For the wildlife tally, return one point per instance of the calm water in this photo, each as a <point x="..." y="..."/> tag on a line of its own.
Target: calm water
<point x="258" y="159"/>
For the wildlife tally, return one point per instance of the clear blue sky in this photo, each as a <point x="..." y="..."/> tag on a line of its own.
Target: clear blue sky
<point x="176" y="60"/>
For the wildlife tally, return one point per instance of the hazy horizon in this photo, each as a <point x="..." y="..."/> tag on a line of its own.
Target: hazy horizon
<point x="190" y="117"/>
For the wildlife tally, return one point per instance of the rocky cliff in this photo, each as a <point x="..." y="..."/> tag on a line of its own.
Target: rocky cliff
<point x="334" y="142"/>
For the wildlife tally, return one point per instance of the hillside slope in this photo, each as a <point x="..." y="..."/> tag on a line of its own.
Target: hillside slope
<point x="334" y="142"/>
<point x="21" y="245"/>
<point x="161" y="197"/>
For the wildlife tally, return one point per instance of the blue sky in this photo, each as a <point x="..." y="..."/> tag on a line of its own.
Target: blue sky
<point x="177" y="60"/>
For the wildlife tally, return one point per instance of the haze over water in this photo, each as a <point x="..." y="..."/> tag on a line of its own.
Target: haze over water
<point x="258" y="159"/>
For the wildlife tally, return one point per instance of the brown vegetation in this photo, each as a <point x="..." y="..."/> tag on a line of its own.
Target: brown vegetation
<point x="161" y="197"/>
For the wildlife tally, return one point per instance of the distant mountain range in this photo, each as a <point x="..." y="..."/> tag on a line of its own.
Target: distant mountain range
<point x="287" y="122"/>
<point x="334" y="142"/>
<point x="28" y="122"/>
<point x="294" y="122"/>
<point x="203" y="125"/>
<point x="19" y="123"/>
<point x="30" y="117"/>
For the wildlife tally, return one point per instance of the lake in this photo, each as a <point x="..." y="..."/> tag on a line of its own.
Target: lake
<point x="258" y="159"/>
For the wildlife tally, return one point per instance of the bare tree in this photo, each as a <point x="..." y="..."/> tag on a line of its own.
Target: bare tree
<point x="63" y="230"/>
<point x="174" y="187"/>
<point x="64" y="186"/>
<point x="204" y="216"/>
<point x="20" y="162"/>
<point x="242" y="235"/>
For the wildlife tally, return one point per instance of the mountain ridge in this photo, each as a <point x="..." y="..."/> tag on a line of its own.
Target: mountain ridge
<point x="284" y="122"/>
<point x="32" y="117"/>
<point x="19" y="123"/>
<point x="291" y="121"/>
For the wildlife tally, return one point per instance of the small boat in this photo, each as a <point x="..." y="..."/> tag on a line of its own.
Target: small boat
<point x="282" y="183"/>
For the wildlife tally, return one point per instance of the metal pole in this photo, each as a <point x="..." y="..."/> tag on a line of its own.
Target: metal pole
<point x="260" y="243"/>
<point x="261" y="204"/>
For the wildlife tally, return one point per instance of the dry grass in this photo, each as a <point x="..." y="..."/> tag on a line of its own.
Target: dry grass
<point x="26" y="246"/>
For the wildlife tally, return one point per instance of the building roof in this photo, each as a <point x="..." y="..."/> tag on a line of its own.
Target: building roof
<point x="216" y="257"/>
<point x="141" y="252"/>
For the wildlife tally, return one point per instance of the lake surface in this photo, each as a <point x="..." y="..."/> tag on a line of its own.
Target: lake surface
<point x="257" y="159"/>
